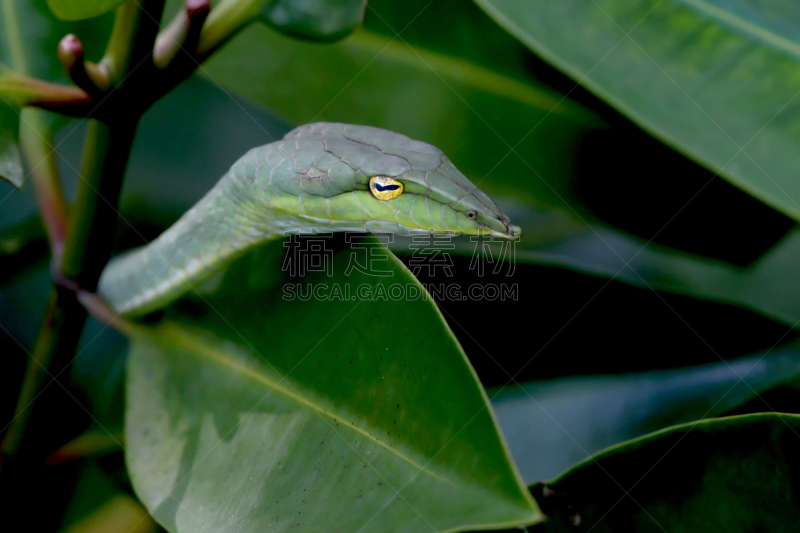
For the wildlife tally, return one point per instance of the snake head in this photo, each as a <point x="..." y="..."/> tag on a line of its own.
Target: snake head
<point x="358" y="177"/>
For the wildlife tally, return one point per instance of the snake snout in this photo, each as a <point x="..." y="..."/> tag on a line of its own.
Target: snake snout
<point x="511" y="229"/>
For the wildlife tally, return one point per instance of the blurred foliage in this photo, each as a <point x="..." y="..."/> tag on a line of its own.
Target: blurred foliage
<point x="32" y="22"/>
<point x="321" y="20"/>
<point x="651" y="292"/>
<point x="99" y="505"/>
<point x="82" y="9"/>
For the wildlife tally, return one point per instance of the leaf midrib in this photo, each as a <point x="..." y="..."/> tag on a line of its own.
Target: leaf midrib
<point x="462" y="70"/>
<point x="177" y="335"/>
<point x="751" y="29"/>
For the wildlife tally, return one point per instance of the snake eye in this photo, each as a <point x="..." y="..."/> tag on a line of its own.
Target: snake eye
<point x="385" y="188"/>
<point x="472" y="215"/>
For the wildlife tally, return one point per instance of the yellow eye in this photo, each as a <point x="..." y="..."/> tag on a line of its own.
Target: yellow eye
<point x="385" y="188"/>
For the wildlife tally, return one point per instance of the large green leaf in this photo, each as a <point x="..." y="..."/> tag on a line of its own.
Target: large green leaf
<point x="734" y="474"/>
<point x="248" y="408"/>
<point x="716" y="79"/>
<point x="419" y="23"/>
<point x="552" y="425"/>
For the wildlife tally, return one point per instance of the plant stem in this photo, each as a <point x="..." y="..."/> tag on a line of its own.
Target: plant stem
<point x="52" y="353"/>
<point x="225" y="21"/>
<point x="81" y="249"/>
<point x="94" y="215"/>
<point x="92" y="224"/>
<point x="24" y="483"/>
<point x="37" y="147"/>
<point x="87" y="248"/>
<point x="132" y="37"/>
<point x="21" y="90"/>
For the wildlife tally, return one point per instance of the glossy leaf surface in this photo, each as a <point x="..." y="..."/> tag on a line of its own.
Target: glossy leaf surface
<point x="567" y="420"/>
<point x="252" y="407"/>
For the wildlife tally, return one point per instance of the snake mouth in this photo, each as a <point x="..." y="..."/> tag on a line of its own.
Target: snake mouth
<point x="511" y="232"/>
<point x="496" y="225"/>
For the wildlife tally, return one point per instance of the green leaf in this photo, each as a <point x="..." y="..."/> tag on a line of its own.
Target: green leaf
<point x="92" y="443"/>
<point x="100" y="506"/>
<point x="769" y="286"/>
<point x="120" y="514"/>
<point x="731" y="474"/>
<point x="552" y="425"/>
<point x="82" y="9"/>
<point x="419" y="23"/>
<point x="318" y="20"/>
<point x="250" y="408"/>
<point x="716" y="79"/>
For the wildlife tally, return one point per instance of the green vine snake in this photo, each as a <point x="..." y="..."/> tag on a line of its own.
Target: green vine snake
<point x="321" y="177"/>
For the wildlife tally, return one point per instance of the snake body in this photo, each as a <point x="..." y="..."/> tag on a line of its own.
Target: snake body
<point x="321" y="177"/>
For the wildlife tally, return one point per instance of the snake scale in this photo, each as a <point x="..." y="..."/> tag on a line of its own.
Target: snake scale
<point x="321" y="177"/>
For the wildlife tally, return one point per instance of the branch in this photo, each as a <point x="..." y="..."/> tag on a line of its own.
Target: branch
<point x="182" y="33"/>
<point x="197" y="32"/>
<point x="36" y="141"/>
<point x="90" y="77"/>
<point x="89" y="237"/>
<point x="22" y="90"/>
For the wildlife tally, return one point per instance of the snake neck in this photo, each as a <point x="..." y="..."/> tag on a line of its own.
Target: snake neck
<point x="225" y="223"/>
